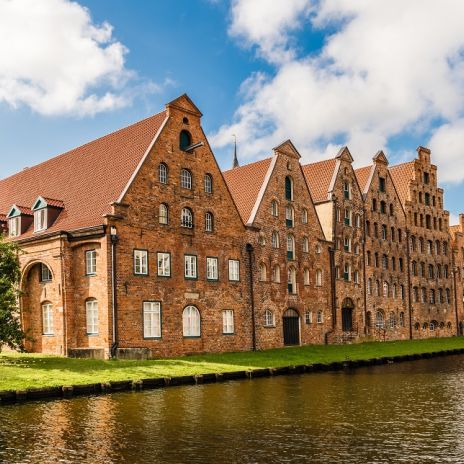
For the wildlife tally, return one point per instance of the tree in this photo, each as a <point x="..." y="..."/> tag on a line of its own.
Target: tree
<point x="10" y="325"/>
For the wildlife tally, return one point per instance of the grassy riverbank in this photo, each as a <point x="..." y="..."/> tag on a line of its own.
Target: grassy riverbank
<point x="21" y="371"/>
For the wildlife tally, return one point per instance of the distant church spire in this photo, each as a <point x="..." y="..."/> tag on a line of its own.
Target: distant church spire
<point x="235" y="162"/>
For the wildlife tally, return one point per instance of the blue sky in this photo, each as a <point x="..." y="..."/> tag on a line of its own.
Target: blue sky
<point x="322" y="73"/>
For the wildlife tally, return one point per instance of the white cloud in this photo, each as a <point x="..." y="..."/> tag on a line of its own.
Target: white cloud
<point x="387" y="67"/>
<point x="55" y="60"/>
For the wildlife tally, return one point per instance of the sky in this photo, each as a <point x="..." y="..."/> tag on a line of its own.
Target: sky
<point x="384" y="74"/>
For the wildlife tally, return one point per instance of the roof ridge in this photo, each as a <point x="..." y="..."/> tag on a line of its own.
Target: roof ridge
<point x="401" y="164"/>
<point x="318" y="162"/>
<point x="239" y="168"/>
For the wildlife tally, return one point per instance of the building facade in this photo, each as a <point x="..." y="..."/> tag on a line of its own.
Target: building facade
<point x="457" y="241"/>
<point x="137" y="245"/>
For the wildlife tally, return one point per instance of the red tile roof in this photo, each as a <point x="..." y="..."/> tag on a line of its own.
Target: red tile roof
<point x="245" y="183"/>
<point x="402" y="174"/>
<point x="87" y="179"/>
<point x="363" y="175"/>
<point x="52" y="202"/>
<point x="318" y="176"/>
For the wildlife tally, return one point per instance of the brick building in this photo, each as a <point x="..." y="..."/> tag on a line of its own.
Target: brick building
<point x="136" y="244"/>
<point x="385" y="253"/>
<point x="457" y="241"/>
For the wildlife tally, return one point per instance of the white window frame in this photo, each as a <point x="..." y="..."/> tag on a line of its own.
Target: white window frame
<point x="304" y="216"/>
<point x="47" y="319"/>
<point x="274" y="208"/>
<point x="228" y="327"/>
<point x="151" y="319"/>
<point x="40" y="219"/>
<point x="308" y="317"/>
<point x="163" y="173"/>
<point x="191" y="321"/>
<point x="14" y="226"/>
<point x="212" y="268"/>
<point x="163" y="260"/>
<point x="91" y="315"/>
<point x="190" y="267"/>
<point x="45" y="273"/>
<point x="163" y="217"/>
<point x="186" y="179"/>
<point x="234" y="270"/>
<point x="140" y="262"/>
<point x="318" y="277"/>
<point x="320" y="317"/>
<point x="208" y="183"/>
<point x="186" y="218"/>
<point x="269" y="319"/>
<point x="209" y="222"/>
<point x="91" y="262"/>
<point x="276" y="273"/>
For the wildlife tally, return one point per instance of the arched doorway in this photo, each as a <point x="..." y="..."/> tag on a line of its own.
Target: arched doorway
<point x="347" y="315"/>
<point x="291" y="324"/>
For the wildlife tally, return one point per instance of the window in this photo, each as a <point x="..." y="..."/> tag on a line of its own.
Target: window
<point x="357" y="221"/>
<point x="185" y="140"/>
<point x="318" y="278"/>
<point x="347" y="244"/>
<point x="306" y="276"/>
<point x="262" y="272"/>
<point x="212" y="272"/>
<point x="379" y="320"/>
<point x="318" y="249"/>
<point x="209" y="222"/>
<point x="151" y="319"/>
<point x="346" y="190"/>
<point x="45" y="273"/>
<point x="163" y="214"/>
<point x="234" y="270"/>
<point x="228" y="321"/>
<point x="374" y="204"/>
<point x="91" y="262"/>
<point x="290" y="247"/>
<point x="14" y="226"/>
<point x="426" y="178"/>
<point x="427" y="199"/>
<point x="383" y="207"/>
<point x="91" y="312"/>
<point x="392" y="320"/>
<point x="191" y="322"/>
<point x="276" y="273"/>
<point x="347" y="272"/>
<point x="208" y="183"/>
<point x="288" y="188"/>
<point x="386" y="290"/>
<point x="289" y="216"/>
<point x="320" y="317"/>
<point x="347" y="217"/>
<point x="186" y="179"/>
<point x="275" y="240"/>
<point x="384" y="232"/>
<point x="47" y="319"/>
<point x="304" y="216"/>
<point x="40" y="219"/>
<point x="141" y="262"/>
<point x="274" y="208"/>
<point x="369" y="286"/>
<point x="381" y="184"/>
<point x="269" y="318"/>
<point x="186" y="218"/>
<point x="305" y="245"/>
<point x="291" y="281"/>
<point x="432" y="296"/>
<point x="308" y="317"/>
<point x="356" y="277"/>
<point x="164" y="264"/>
<point x="163" y="173"/>
<point x="401" y="319"/>
<point x="190" y="266"/>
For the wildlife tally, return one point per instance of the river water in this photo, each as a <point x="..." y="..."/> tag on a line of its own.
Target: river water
<point x="409" y="413"/>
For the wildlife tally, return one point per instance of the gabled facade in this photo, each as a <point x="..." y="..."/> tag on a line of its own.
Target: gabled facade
<point x="287" y="248"/>
<point x="457" y="241"/>
<point x="385" y="253"/>
<point x="433" y="308"/>
<point x="340" y="207"/>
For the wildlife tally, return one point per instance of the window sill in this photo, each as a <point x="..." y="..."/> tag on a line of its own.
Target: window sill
<point x="228" y="334"/>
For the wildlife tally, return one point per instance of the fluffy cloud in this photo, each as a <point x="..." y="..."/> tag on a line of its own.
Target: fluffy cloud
<point x="387" y="68"/>
<point x="55" y="60"/>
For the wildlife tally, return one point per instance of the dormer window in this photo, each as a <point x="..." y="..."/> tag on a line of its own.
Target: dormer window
<point x="14" y="226"/>
<point x="40" y="219"/>
<point x="19" y="219"/>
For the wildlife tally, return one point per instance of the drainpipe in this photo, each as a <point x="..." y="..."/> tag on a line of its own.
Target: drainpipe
<point x="249" y="249"/>
<point x="114" y="302"/>
<point x="455" y="271"/>
<point x="63" y="298"/>
<point x="408" y="264"/>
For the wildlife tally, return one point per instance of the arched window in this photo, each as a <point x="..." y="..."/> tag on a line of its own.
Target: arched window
<point x="377" y="288"/>
<point x="208" y="183"/>
<point x="386" y="290"/>
<point x="401" y="319"/>
<point x="274" y="208"/>
<point x="291" y="280"/>
<point x="191" y="322"/>
<point x="306" y="276"/>
<point x="318" y="249"/>
<point x="392" y="320"/>
<point x="448" y="296"/>
<point x="47" y="318"/>
<point x="186" y="219"/>
<point x="268" y="318"/>
<point x="320" y="317"/>
<point x="163" y="213"/>
<point x="304" y="216"/>
<point x="276" y="273"/>
<point x="369" y="286"/>
<point x="185" y="140"/>
<point x="416" y="326"/>
<point x="357" y="221"/>
<point x="163" y="173"/>
<point x="395" y="291"/>
<point x="290" y="247"/>
<point x="186" y="179"/>
<point x="91" y="311"/>
<point x="275" y="240"/>
<point x="262" y="272"/>
<point x="45" y="273"/>
<point x="318" y="278"/>
<point x="209" y="222"/>
<point x="423" y="295"/>
<point x="379" y="320"/>
<point x="305" y="245"/>
<point x="289" y="216"/>
<point x="288" y="188"/>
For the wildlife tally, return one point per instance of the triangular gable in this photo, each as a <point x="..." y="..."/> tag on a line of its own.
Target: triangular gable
<point x="16" y="210"/>
<point x="184" y="103"/>
<point x="287" y="148"/>
<point x="380" y="158"/>
<point x="39" y="204"/>
<point x="344" y="154"/>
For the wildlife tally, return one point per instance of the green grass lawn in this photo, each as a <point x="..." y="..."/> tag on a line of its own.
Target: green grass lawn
<point x="21" y="371"/>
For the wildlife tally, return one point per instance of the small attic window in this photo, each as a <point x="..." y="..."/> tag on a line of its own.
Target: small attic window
<point x="185" y="140"/>
<point x="40" y="219"/>
<point x="185" y="120"/>
<point x="14" y="226"/>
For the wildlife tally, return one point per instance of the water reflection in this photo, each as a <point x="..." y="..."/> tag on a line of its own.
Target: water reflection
<point x="409" y="412"/>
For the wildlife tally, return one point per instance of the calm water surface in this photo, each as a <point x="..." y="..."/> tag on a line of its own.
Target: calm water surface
<point x="410" y="412"/>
